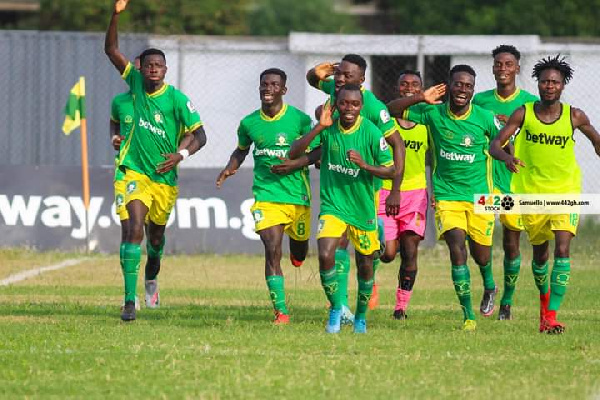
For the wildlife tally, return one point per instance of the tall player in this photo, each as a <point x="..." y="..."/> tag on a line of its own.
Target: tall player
<point x="460" y="134"/>
<point x="353" y="153"/>
<point x="282" y="202"/>
<point x="503" y="101"/>
<point x="547" y="168"/>
<point x="351" y="70"/>
<point x="151" y="153"/>
<point x="406" y="229"/>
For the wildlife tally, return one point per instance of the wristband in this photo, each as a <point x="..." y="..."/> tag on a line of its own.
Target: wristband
<point x="185" y="153"/>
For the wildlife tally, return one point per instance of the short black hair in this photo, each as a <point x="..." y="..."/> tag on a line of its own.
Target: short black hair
<point x="152" y="52"/>
<point x="350" y="87"/>
<point x="507" y="48"/>
<point x="356" y="60"/>
<point x="410" y="72"/>
<point x="558" y="63"/>
<point x="274" y="71"/>
<point x="462" y="68"/>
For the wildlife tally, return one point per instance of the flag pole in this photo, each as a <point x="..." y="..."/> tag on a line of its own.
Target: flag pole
<point x="85" y="170"/>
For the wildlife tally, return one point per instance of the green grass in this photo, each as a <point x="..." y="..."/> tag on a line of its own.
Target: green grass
<point x="212" y="338"/>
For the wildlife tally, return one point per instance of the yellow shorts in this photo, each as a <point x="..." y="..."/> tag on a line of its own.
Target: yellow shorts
<point x="365" y="242"/>
<point x="158" y="197"/>
<point x="540" y="227"/>
<point x="120" y="200"/>
<point x="514" y="222"/>
<point x="460" y="214"/>
<point x="295" y="218"/>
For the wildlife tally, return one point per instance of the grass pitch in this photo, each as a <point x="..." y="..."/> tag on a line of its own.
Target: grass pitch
<point x="213" y="338"/>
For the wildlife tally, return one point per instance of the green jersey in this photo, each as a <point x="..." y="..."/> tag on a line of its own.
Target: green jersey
<point x="121" y="112"/>
<point x="460" y="144"/>
<point x="548" y="152"/>
<point x="373" y="109"/>
<point x="347" y="191"/>
<point x="490" y="100"/>
<point x="272" y="138"/>
<point x="160" y="120"/>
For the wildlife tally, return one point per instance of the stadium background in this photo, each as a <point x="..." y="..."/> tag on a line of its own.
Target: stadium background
<point x="40" y="183"/>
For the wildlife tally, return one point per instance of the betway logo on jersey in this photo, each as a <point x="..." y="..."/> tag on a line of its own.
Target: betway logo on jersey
<point x="413" y="145"/>
<point x="343" y="170"/>
<point x="452" y="156"/>
<point x="271" y="152"/>
<point x="544" y="138"/>
<point x="152" y="128"/>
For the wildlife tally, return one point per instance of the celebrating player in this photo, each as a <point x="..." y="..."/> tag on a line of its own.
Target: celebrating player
<point x="460" y="133"/>
<point x="406" y="229"/>
<point x="503" y="101"/>
<point x="282" y="202"/>
<point x="150" y="156"/>
<point x="547" y="168"/>
<point x="351" y="70"/>
<point x="353" y="153"/>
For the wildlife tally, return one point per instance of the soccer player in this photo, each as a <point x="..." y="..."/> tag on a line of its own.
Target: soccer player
<point x="460" y="134"/>
<point x="547" y="168"/>
<point x="353" y="153"/>
<point x="503" y="101"/>
<point x="351" y="70"/>
<point x="282" y="202"/>
<point x="406" y="229"/>
<point x="149" y="158"/>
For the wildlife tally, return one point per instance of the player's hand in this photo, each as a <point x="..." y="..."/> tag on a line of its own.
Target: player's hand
<point x="326" y="118"/>
<point x="513" y="164"/>
<point x="120" y="6"/>
<point x="432" y="94"/>
<point x="324" y="70"/>
<point x="318" y="164"/>
<point x="116" y="141"/>
<point x="287" y="166"/>
<point x="392" y="203"/>
<point x="226" y="173"/>
<point x="502" y="118"/>
<point x="355" y="157"/>
<point x="597" y="148"/>
<point x="171" y="161"/>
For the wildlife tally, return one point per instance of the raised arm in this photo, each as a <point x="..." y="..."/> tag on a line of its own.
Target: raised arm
<point x="298" y="148"/>
<point x="320" y="73"/>
<point x="582" y="122"/>
<point x="111" y="41"/>
<point x="496" y="147"/>
<point x="430" y="96"/>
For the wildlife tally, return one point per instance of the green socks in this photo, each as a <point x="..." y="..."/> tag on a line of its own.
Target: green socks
<point x="511" y="275"/>
<point x="376" y="263"/>
<point x="130" y="265"/>
<point x="561" y="273"/>
<point x="342" y="268"/>
<point x="365" y="288"/>
<point x="488" y="276"/>
<point x="540" y="275"/>
<point x="277" y="293"/>
<point x="462" y="285"/>
<point x="330" y="285"/>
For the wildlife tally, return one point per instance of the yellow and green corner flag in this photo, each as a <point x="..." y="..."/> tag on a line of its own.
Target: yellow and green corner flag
<point x="75" y="108"/>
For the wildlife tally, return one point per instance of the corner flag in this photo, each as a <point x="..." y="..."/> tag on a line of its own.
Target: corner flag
<point x="75" y="108"/>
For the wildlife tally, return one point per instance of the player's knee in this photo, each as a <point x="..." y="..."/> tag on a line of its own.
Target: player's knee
<point x="389" y="255"/>
<point x="562" y="250"/>
<point x="326" y="259"/>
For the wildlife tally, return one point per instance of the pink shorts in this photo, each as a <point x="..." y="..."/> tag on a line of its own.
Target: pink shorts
<point x="412" y="215"/>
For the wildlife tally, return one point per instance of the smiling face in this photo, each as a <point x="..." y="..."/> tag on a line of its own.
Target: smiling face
<point x="347" y="73"/>
<point x="462" y="87"/>
<point x="551" y="85"/>
<point x="271" y="89"/>
<point x="505" y="69"/>
<point x="349" y="103"/>
<point x="409" y="85"/>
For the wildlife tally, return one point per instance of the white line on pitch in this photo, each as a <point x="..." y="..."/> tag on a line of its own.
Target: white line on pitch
<point x="21" y="276"/>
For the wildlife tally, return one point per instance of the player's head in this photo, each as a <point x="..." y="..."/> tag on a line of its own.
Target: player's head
<point x="461" y="84"/>
<point x="552" y="74"/>
<point x="349" y="102"/>
<point x="272" y="86"/>
<point x="351" y="70"/>
<point x="409" y="83"/>
<point x="137" y="63"/>
<point x="506" y="64"/>
<point x="153" y="65"/>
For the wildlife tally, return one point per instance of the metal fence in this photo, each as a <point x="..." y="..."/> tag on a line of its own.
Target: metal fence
<point x="221" y="76"/>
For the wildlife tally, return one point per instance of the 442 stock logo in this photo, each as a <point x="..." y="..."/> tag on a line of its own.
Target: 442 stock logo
<point x="497" y="202"/>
